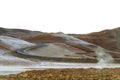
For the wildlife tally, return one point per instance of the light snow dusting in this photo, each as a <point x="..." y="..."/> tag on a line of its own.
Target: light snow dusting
<point x="72" y="39"/>
<point x="14" y="43"/>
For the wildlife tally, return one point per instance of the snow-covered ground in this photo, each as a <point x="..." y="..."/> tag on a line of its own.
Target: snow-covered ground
<point x="6" y="70"/>
<point x="14" y="43"/>
<point x="12" y="60"/>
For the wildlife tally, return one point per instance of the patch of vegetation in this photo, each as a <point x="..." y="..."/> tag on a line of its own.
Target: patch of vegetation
<point x="67" y="74"/>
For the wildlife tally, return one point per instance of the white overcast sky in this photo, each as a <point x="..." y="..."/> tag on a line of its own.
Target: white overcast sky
<point x="68" y="16"/>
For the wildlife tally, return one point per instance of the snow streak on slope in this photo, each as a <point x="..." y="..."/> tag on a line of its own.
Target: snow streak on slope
<point x="74" y="40"/>
<point x="14" y="43"/>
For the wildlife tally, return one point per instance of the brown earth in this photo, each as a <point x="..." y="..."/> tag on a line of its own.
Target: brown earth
<point x="44" y="37"/>
<point x="109" y="39"/>
<point x="67" y="74"/>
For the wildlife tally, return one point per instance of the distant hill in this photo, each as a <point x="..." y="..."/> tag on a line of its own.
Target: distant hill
<point x="109" y="39"/>
<point x="18" y="33"/>
<point x="58" y="45"/>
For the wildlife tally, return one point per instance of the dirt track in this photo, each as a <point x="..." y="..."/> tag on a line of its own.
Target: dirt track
<point x="62" y="59"/>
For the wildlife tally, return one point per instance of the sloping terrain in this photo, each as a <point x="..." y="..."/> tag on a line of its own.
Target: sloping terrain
<point x="23" y="47"/>
<point x="9" y="45"/>
<point x="109" y="39"/>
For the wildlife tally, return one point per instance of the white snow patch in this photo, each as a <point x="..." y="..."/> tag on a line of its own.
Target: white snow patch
<point x="6" y="70"/>
<point x="14" y="43"/>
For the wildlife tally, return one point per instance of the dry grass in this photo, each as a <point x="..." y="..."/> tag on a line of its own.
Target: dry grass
<point x="67" y="74"/>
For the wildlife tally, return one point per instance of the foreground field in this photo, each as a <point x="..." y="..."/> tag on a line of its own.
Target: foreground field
<point x="67" y="74"/>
